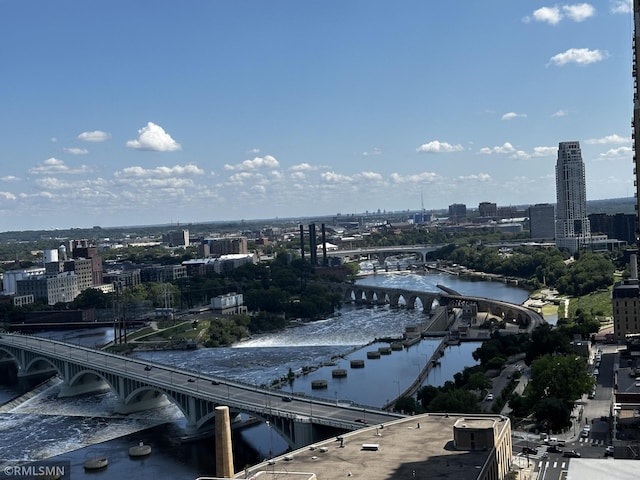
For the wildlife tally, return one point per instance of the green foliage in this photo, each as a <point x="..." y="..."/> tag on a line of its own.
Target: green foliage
<point x="224" y="331"/>
<point x="406" y="404"/>
<point x="454" y="401"/>
<point x="547" y="340"/>
<point x="561" y="377"/>
<point x="500" y="346"/>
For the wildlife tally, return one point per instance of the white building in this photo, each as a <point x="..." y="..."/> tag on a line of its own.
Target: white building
<point x="573" y="229"/>
<point x="11" y="277"/>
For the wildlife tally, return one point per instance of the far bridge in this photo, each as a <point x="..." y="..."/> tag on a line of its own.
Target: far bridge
<point x="381" y="253"/>
<point x="142" y="385"/>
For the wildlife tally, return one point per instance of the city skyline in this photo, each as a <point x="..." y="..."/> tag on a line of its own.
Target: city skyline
<point x="123" y="114"/>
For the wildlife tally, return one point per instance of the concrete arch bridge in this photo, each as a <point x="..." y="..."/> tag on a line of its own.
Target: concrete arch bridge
<point x="142" y="385"/>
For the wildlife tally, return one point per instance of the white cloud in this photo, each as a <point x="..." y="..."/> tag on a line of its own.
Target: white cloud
<point x="370" y="176"/>
<point x="76" y="151"/>
<point x="241" y="178"/>
<point x="549" y="15"/>
<point x="545" y="151"/>
<point x="480" y="177"/>
<point x="506" y="147"/>
<point x="581" y="56"/>
<point x="9" y="178"/>
<point x="153" y="137"/>
<point x="579" y="12"/>
<point x="94" y="136"/>
<point x="333" y="177"/>
<point x="177" y="170"/>
<point x="553" y="15"/>
<point x="53" y="140"/>
<point x="560" y="113"/>
<point x="259" y="162"/>
<point x="512" y="115"/>
<point x="622" y="6"/>
<point x="259" y="189"/>
<point x="302" y="167"/>
<point x="439" y="147"/>
<point x="615" y="138"/>
<point x="253" y="151"/>
<point x="374" y="151"/>
<point x="53" y="166"/>
<point x="416" y="178"/>
<point x="298" y="175"/>
<point x="616" y="153"/>
<point x="7" y="196"/>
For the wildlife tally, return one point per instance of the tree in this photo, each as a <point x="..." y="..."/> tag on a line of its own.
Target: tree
<point x="561" y="377"/>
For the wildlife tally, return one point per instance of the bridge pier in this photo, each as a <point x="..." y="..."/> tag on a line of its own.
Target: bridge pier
<point x="147" y="400"/>
<point x="86" y="384"/>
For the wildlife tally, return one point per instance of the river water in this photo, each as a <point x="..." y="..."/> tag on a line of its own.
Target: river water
<point x="81" y="428"/>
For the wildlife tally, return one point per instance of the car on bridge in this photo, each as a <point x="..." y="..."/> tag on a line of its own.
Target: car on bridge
<point x="287" y="399"/>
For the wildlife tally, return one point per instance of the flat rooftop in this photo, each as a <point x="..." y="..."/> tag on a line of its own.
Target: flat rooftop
<point x="419" y="446"/>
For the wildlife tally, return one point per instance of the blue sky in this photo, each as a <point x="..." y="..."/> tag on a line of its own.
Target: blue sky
<point x="151" y="111"/>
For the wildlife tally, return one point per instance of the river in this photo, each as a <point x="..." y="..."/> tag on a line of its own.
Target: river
<point x="79" y="428"/>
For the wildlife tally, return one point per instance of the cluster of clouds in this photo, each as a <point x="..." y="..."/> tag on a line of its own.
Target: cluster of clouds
<point x="578" y="12"/>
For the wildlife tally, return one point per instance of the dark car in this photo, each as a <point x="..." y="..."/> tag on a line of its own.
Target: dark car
<point x="287" y="399"/>
<point x="571" y="454"/>
<point x="361" y="420"/>
<point x="215" y="382"/>
<point x="529" y="450"/>
<point x="147" y="368"/>
<point x="608" y="452"/>
<point x="191" y="380"/>
<point x="554" y="449"/>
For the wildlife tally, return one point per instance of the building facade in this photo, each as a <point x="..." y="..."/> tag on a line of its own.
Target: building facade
<point x="457" y="213"/>
<point x="542" y="217"/>
<point x="625" y="300"/>
<point x="573" y="230"/>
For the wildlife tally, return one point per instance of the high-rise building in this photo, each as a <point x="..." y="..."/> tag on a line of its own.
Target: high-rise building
<point x="572" y="224"/>
<point x="457" y="213"/>
<point x="487" y="209"/>
<point x="542" y="221"/>
<point x="636" y="111"/>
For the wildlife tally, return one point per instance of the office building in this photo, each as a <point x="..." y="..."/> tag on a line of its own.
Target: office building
<point x="464" y="447"/>
<point x="625" y="299"/>
<point x="573" y="231"/>
<point x="457" y="213"/>
<point x="542" y="221"/>
<point x="488" y="209"/>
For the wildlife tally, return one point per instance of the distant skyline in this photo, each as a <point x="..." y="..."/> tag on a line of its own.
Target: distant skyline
<point x="160" y="112"/>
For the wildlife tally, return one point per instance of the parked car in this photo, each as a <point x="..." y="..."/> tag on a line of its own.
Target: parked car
<point x="571" y="454"/>
<point x="529" y="450"/>
<point x="554" y="449"/>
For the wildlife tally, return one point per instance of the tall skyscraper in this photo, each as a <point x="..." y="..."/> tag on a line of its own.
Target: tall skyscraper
<point x="636" y="112"/>
<point x="572" y="224"/>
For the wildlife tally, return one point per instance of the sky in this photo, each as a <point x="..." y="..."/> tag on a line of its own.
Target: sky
<point x="172" y="112"/>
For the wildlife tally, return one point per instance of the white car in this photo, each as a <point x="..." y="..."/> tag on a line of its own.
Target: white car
<point x="489" y="397"/>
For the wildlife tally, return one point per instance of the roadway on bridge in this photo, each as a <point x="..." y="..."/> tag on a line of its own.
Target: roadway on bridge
<point x="238" y="396"/>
